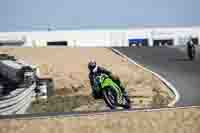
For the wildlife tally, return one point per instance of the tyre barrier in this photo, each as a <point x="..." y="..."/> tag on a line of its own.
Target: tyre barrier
<point x="17" y="108"/>
<point x="18" y="102"/>
<point x="20" y="84"/>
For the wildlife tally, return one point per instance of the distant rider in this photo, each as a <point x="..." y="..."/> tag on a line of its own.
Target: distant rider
<point x="94" y="71"/>
<point x="190" y="45"/>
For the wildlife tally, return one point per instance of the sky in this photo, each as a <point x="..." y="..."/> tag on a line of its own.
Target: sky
<point x="33" y="15"/>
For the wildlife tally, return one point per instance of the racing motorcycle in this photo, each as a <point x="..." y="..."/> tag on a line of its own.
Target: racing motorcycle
<point x="111" y="92"/>
<point x="191" y="52"/>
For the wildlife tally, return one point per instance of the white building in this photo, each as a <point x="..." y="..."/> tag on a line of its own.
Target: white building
<point x="150" y="36"/>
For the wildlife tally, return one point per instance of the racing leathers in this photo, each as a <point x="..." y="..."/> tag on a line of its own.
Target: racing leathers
<point x="100" y="70"/>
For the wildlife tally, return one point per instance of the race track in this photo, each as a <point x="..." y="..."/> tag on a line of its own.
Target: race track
<point x="171" y="63"/>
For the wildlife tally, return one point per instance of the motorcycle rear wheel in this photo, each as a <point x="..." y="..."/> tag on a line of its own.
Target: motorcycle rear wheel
<point x="127" y="104"/>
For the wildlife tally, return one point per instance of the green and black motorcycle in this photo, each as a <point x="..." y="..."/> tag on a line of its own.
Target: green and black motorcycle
<point x="111" y="92"/>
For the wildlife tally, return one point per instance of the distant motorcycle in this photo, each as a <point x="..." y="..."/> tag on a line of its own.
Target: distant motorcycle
<point x="191" y="52"/>
<point x="111" y="92"/>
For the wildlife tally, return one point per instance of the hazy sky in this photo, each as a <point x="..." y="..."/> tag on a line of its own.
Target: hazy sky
<point x="26" y="15"/>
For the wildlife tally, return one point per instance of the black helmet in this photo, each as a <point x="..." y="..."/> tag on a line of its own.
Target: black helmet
<point x="91" y="65"/>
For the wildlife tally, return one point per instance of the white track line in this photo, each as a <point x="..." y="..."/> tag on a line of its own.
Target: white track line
<point x="173" y="89"/>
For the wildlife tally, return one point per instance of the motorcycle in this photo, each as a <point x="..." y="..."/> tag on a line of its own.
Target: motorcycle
<point x="191" y="52"/>
<point x="111" y="92"/>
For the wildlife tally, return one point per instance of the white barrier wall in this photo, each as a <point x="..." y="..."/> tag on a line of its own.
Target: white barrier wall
<point x="102" y="38"/>
<point x="91" y="38"/>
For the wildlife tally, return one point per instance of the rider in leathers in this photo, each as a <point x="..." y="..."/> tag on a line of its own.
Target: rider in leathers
<point x="94" y="71"/>
<point x="190" y="45"/>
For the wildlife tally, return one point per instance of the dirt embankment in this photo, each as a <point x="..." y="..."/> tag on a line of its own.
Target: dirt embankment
<point x="68" y="68"/>
<point x="176" y="120"/>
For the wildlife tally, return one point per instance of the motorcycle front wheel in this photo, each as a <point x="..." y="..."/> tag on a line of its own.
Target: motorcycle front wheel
<point x="109" y="96"/>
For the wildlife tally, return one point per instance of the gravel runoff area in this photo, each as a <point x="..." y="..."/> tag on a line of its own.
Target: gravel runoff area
<point x="68" y="68"/>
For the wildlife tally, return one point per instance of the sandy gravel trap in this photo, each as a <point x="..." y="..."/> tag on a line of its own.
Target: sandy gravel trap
<point x="68" y="68"/>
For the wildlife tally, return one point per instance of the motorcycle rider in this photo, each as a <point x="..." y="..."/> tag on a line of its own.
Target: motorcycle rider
<point x="190" y="45"/>
<point x="94" y="71"/>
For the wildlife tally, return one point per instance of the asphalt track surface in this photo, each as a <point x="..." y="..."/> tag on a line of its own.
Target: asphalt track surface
<point x="173" y="64"/>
